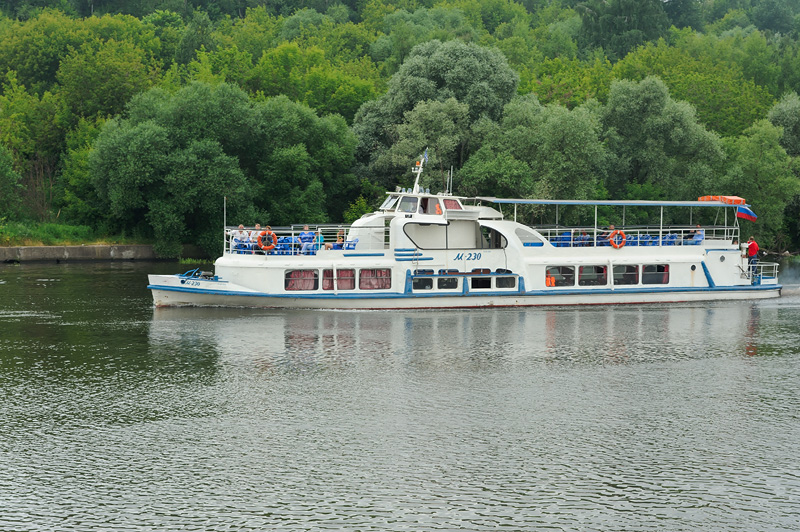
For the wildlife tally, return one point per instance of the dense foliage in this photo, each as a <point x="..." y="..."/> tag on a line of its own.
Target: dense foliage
<point x="137" y="118"/>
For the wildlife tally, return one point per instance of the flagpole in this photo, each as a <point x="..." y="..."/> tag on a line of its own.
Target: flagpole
<point x="224" y="222"/>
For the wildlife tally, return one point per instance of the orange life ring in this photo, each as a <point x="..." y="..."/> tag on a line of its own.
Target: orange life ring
<point x="274" y="240"/>
<point x="613" y="243"/>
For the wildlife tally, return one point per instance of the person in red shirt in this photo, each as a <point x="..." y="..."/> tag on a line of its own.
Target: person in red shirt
<point x="752" y="256"/>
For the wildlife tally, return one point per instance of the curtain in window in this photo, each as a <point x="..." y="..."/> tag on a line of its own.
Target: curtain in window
<point x="377" y="279"/>
<point x="301" y="280"/>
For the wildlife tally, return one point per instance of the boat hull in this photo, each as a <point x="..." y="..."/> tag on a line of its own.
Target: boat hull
<point x="233" y="296"/>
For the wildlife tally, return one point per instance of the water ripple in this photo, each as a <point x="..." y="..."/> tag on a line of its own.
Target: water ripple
<point x="116" y="416"/>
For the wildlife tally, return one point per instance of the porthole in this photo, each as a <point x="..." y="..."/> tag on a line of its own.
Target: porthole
<point x="722" y="258"/>
<point x="694" y="267"/>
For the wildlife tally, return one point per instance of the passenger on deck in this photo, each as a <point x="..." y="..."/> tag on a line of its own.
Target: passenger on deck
<point x="240" y="238"/>
<point x="254" y="238"/>
<point x="698" y="234"/>
<point x="307" y="239"/>
<point x="339" y="241"/>
<point x="602" y="237"/>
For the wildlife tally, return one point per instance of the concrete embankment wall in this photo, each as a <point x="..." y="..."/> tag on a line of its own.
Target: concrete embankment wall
<point x="86" y="253"/>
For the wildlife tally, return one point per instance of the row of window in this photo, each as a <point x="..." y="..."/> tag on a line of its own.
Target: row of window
<point x="344" y="279"/>
<point x="381" y="278"/>
<point x="451" y="283"/>
<point x="627" y="274"/>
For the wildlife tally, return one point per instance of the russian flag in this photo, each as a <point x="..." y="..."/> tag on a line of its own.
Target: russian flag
<point x="746" y="213"/>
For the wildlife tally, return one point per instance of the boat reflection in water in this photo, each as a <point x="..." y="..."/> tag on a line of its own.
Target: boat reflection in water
<point x="291" y="340"/>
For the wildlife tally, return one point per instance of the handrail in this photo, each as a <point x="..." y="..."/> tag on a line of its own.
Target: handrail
<point x="638" y="235"/>
<point x="288" y="238"/>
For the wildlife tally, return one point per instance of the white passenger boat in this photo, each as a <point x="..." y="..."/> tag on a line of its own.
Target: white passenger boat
<point x="421" y="250"/>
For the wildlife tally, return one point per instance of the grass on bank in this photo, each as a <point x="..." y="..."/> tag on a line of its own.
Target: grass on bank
<point x="48" y="234"/>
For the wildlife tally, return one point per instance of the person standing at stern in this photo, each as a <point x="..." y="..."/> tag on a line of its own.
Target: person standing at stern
<point x="752" y="256"/>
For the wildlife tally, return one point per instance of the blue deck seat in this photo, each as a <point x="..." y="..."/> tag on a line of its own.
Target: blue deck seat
<point x="351" y="244"/>
<point x="632" y="240"/>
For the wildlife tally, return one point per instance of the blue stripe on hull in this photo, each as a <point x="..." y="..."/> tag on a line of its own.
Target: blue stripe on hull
<point x="510" y="294"/>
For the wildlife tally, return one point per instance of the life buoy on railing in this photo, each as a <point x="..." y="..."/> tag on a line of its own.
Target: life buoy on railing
<point x="614" y="243"/>
<point x="261" y="235"/>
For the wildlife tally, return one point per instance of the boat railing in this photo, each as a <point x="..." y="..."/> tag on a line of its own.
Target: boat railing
<point x="761" y="272"/>
<point x="245" y="241"/>
<point x="638" y="235"/>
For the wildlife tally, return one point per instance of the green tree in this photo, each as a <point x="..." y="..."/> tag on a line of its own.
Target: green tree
<point x="77" y="198"/>
<point x="477" y="77"/>
<point x="657" y="141"/>
<point x="440" y="126"/>
<point x="168" y="27"/>
<point x="403" y="30"/>
<point x="761" y="172"/>
<point x="684" y="13"/>
<point x="618" y="26"/>
<point x="304" y="165"/>
<point x="539" y="151"/>
<point x="154" y="180"/>
<point x="163" y="170"/>
<point x="568" y="82"/>
<point x="774" y="15"/>
<point x="30" y="130"/>
<point x="725" y="101"/>
<point x="100" y="77"/>
<point x="10" y="188"/>
<point x="198" y="34"/>
<point x="306" y="75"/>
<point x="786" y="115"/>
<point x="34" y="48"/>
<point x="255" y="33"/>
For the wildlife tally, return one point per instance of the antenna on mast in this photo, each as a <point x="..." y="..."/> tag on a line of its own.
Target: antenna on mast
<point x="418" y="170"/>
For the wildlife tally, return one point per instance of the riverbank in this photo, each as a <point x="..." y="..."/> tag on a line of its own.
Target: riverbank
<point x="102" y="252"/>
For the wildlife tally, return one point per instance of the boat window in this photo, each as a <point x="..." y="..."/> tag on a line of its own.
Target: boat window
<point x="464" y="234"/>
<point x="422" y="283"/>
<point x="447" y="283"/>
<point x="560" y="276"/>
<point x="492" y="239"/>
<point x="345" y="279"/>
<point x="655" y="274"/>
<point x="593" y="275"/>
<point x="375" y="279"/>
<point x="528" y="238"/>
<point x="505" y="282"/>
<point x="452" y="204"/>
<point x="481" y="282"/>
<point x="427" y="236"/>
<point x="389" y="202"/>
<point x="407" y="204"/>
<point x="301" y="280"/>
<point x="627" y="274"/>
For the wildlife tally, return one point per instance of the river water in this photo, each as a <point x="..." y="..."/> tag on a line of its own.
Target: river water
<point x="118" y="416"/>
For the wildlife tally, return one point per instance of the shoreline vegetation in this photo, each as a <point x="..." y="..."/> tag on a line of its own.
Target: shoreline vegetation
<point x="142" y="119"/>
<point x="33" y="234"/>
